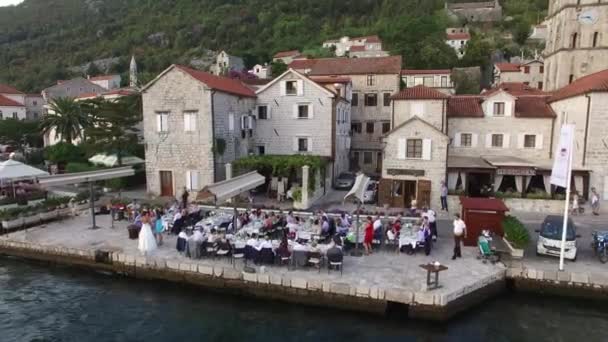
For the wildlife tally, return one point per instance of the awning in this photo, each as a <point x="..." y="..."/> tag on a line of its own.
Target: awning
<point x="88" y="176"/>
<point x="508" y="161"/>
<point x="227" y="189"/>
<point x="358" y="189"/>
<point x="12" y="170"/>
<point x="462" y="162"/>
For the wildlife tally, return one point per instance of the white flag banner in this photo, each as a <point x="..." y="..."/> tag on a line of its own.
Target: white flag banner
<point x="561" y="162"/>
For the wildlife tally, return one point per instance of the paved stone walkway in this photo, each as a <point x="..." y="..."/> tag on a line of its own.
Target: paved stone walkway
<point x="381" y="271"/>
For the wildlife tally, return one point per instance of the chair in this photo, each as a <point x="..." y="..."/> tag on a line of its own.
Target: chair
<point x="238" y="253"/>
<point x="210" y="249"/>
<point x="266" y="256"/>
<point x="335" y="259"/>
<point x="315" y="259"/>
<point x="336" y="264"/>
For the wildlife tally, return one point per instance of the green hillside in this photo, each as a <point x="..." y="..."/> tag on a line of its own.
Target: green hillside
<point x="41" y="39"/>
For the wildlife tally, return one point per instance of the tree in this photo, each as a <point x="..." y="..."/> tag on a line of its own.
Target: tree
<point x="67" y="119"/>
<point x="114" y="128"/>
<point x="521" y="31"/>
<point x="278" y="68"/>
<point x="20" y="133"/>
<point x="93" y="70"/>
<point x="62" y="153"/>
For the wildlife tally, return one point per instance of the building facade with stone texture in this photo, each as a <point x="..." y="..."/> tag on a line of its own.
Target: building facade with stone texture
<point x="12" y="103"/>
<point x="439" y="79"/>
<point x="577" y="42"/>
<point x="297" y="114"/>
<point x="71" y="88"/>
<point x="357" y="47"/>
<point x="34" y="106"/>
<point x="194" y="123"/>
<point x="487" y="11"/>
<point x="108" y="82"/>
<point x="530" y="73"/>
<point x="225" y="63"/>
<point x="584" y="103"/>
<point x="374" y="80"/>
<point x="416" y="149"/>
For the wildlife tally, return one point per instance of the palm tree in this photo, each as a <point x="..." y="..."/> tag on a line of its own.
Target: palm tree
<point x="67" y="118"/>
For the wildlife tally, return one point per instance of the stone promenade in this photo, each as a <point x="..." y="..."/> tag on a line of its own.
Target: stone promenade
<point x="384" y="276"/>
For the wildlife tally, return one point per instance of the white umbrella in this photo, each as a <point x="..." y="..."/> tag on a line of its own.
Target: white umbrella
<point x="15" y="170"/>
<point x="112" y="160"/>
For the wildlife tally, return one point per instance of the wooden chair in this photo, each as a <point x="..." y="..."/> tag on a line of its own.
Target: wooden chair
<point x="316" y="260"/>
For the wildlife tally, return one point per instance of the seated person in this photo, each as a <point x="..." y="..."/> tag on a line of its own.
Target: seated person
<point x="324" y="226"/>
<point x="253" y="241"/>
<point x="182" y="240"/>
<point x="378" y="230"/>
<point x="342" y="229"/>
<point x="223" y="244"/>
<point x="396" y="227"/>
<point x="335" y="254"/>
<point x="316" y="227"/>
<point x="283" y="250"/>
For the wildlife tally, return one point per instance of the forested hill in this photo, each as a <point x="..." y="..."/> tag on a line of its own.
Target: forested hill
<point x="41" y="39"/>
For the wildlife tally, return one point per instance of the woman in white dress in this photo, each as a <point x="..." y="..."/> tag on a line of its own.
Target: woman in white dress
<point x="147" y="242"/>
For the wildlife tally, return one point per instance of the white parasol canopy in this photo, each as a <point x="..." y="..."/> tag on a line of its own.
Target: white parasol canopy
<point x="12" y="170"/>
<point x="358" y="190"/>
<point x="227" y="189"/>
<point x="112" y="160"/>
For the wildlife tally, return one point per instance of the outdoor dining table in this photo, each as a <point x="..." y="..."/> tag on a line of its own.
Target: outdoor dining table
<point x="432" y="268"/>
<point x="407" y="236"/>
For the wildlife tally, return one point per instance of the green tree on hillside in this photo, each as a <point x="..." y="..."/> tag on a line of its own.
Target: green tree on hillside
<point x="67" y="118"/>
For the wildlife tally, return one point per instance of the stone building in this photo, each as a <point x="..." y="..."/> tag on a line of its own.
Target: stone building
<point x="261" y="71"/>
<point x="225" y="63"/>
<point x="194" y="123"/>
<point x="584" y="103"/>
<point x="457" y="38"/>
<point x="488" y="11"/>
<point x="530" y="73"/>
<point x="416" y="149"/>
<point x="374" y="80"/>
<point x="440" y="79"/>
<point x="577" y="42"/>
<point x="301" y="115"/>
<point x="71" y="88"/>
<point x="12" y="103"/>
<point x="357" y="47"/>
<point x="34" y="106"/>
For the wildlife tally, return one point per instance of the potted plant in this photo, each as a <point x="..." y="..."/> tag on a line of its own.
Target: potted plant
<point x="31" y="215"/>
<point x="50" y="210"/>
<point x="11" y="218"/>
<point x="517" y="236"/>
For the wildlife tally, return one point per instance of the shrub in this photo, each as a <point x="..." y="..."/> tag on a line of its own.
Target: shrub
<point x="515" y="232"/>
<point x="508" y="194"/>
<point x="65" y="153"/>
<point x="79" y="167"/>
<point x="538" y="195"/>
<point x="297" y="194"/>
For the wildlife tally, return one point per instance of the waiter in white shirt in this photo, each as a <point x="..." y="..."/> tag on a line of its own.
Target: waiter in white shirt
<point x="432" y="223"/>
<point x="460" y="232"/>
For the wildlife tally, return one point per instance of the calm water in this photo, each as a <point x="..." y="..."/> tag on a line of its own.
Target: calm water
<point x="40" y="304"/>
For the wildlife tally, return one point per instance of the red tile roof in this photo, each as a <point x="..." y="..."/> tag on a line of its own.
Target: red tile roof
<point x="425" y="72"/>
<point x="507" y="67"/>
<point x="357" y="48"/>
<point x="6" y="89"/>
<point x="419" y="92"/>
<point x="597" y="82"/>
<point x="223" y="84"/>
<point x="533" y="107"/>
<point x="349" y="66"/>
<point x="289" y="53"/>
<point x="6" y="102"/>
<point x="516" y="89"/>
<point x="330" y="79"/>
<point x="87" y="95"/>
<point x="121" y="92"/>
<point x="102" y="77"/>
<point x="458" y="36"/>
<point x="465" y="106"/>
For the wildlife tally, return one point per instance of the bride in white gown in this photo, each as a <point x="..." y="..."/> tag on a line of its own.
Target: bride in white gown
<point x="147" y="242"/>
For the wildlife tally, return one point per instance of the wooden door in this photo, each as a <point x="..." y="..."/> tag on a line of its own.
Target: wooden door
<point x="384" y="192"/>
<point x="166" y="183"/>
<point x="398" y="192"/>
<point x="423" y="194"/>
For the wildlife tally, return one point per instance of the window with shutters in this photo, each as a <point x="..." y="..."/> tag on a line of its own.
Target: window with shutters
<point x="541" y="69"/>
<point x="418" y="81"/>
<point x="356" y="127"/>
<point x="356" y="158"/>
<point x="499" y="109"/>
<point x="466" y="139"/>
<point x="387" y="99"/>
<point x="190" y="121"/>
<point x="262" y="113"/>
<point x="414" y="148"/>
<point x="595" y="39"/>
<point x="261" y="150"/>
<point x="369" y="127"/>
<point x="530" y="141"/>
<point x="444" y="81"/>
<point x="371" y="80"/>
<point x="429" y="81"/>
<point x="303" y="111"/>
<point x="192" y="180"/>
<point x="291" y="87"/>
<point x="497" y="140"/>
<point x="527" y="69"/>
<point x="367" y="157"/>
<point x="371" y="100"/>
<point x="540" y="85"/>
<point x="162" y="122"/>
<point x="355" y="100"/>
<point x="386" y="127"/>
<point x="15" y="115"/>
<point x="302" y="144"/>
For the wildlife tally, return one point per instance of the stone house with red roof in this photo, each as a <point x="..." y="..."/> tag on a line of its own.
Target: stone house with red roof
<point x="529" y="73"/>
<point x="439" y="79"/>
<point x="357" y="47"/>
<point x="374" y="80"/>
<point x="12" y="103"/>
<point x="194" y="123"/>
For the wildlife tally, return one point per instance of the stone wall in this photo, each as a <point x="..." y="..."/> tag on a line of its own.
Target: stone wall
<point x="432" y="111"/>
<point x="519" y="205"/>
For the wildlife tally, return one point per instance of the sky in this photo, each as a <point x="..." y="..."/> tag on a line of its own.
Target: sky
<point x="9" y="2"/>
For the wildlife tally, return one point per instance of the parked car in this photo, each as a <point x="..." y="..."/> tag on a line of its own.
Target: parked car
<point x="550" y="237"/>
<point x="371" y="192"/>
<point x="345" y="181"/>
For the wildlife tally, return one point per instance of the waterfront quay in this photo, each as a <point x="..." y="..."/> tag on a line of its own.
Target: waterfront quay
<point x="372" y="283"/>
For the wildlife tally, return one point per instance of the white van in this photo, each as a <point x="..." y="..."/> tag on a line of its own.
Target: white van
<point x="550" y="237"/>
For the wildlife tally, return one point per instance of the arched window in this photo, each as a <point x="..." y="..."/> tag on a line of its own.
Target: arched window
<point x="596" y="36"/>
<point x="574" y="38"/>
